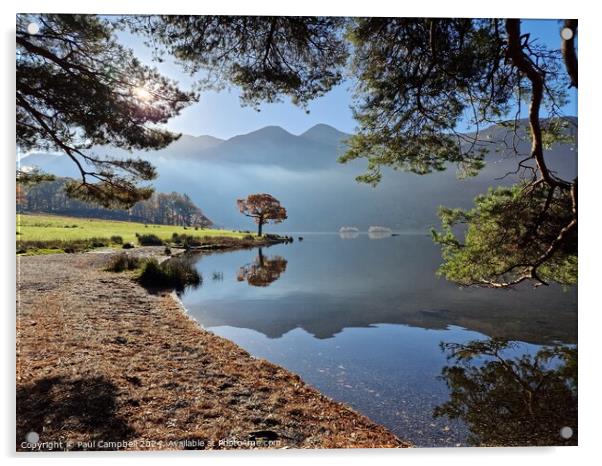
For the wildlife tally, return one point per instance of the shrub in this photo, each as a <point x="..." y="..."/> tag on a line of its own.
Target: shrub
<point x="98" y="243"/>
<point x="128" y="246"/>
<point x="173" y="273"/>
<point x="150" y="240"/>
<point x="248" y="237"/>
<point x="167" y="251"/>
<point x="123" y="261"/>
<point x="69" y="246"/>
<point x="186" y="240"/>
<point x="116" y="239"/>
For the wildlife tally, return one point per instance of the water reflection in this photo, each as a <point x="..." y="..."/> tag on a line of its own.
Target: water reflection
<point x="263" y="271"/>
<point x="529" y="400"/>
<point x="349" y="234"/>
<point x="331" y="284"/>
<point x="379" y="234"/>
<point x="362" y="321"/>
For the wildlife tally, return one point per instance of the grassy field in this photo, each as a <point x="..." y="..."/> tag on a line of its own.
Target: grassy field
<point x="47" y="228"/>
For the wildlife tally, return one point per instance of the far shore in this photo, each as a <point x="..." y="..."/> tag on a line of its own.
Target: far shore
<point x="104" y="364"/>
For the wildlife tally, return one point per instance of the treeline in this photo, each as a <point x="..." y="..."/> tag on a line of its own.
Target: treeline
<point x="162" y="208"/>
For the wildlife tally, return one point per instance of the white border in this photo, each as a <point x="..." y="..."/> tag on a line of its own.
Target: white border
<point x="590" y="168"/>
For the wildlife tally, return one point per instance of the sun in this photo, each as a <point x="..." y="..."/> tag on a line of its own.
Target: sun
<point x="142" y="94"/>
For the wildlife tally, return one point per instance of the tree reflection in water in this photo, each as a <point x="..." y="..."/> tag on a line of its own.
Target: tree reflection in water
<point x="519" y="401"/>
<point x="263" y="271"/>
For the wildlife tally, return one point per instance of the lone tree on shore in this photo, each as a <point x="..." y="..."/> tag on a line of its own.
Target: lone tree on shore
<point x="263" y="208"/>
<point x="417" y="81"/>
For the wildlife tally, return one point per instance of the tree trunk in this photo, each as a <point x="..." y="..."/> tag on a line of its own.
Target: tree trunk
<point x="260" y="227"/>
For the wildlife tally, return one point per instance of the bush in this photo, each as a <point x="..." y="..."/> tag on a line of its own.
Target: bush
<point x="185" y="240"/>
<point x="116" y="239"/>
<point x="167" y="251"/>
<point x="99" y="243"/>
<point x="68" y="246"/>
<point x="150" y="240"/>
<point x="128" y="246"/>
<point x="123" y="261"/>
<point x="173" y="273"/>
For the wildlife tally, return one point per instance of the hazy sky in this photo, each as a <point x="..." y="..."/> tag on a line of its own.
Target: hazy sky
<point x="221" y="115"/>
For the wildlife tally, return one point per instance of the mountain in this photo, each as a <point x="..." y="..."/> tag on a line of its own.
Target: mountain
<point x="273" y="145"/>
<point x="189" y="146"/>
<point x="324" y="134"/>
<point x="319" y="193"/>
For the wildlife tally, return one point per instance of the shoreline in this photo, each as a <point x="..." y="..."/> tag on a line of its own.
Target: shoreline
<point x="100" y="359"/>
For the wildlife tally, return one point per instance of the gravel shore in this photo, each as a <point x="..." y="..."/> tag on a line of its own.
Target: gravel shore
<point x="102" y="364"/>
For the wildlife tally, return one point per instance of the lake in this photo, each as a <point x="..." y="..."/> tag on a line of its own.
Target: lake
<point x="362" y="319"/>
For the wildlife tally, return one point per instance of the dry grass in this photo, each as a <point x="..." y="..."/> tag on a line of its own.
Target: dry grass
<point x="100" y="359"/>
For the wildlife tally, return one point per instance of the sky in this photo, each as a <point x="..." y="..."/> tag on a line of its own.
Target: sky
<point x="220" y="114"/>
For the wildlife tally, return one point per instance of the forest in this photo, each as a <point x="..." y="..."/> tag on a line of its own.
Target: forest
<point x="161" y="208"/>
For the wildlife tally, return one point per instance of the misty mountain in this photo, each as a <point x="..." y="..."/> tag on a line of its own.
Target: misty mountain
<point x="319" y="193"/>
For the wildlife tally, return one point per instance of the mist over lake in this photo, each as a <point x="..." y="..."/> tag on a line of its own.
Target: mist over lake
<point x="319" y="193"/>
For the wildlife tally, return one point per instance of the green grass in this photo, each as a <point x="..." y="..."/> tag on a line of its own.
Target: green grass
<point x="50" y="227"/>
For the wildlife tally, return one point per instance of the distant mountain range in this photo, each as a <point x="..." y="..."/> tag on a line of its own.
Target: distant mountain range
<point x="302" y="171"/>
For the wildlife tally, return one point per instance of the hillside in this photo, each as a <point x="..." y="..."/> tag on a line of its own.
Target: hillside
<point x="162" y="208"/>
<point x="319" y="193"/>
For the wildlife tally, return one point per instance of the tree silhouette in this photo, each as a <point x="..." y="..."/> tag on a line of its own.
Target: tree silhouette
<point x="521" y="401"/>
<point x="262" y="208"/>
<point x="408" y="117"/>
<point x="263" y="271"/>
<point x="418" y="78"/>
<point x="77" y="88"/>
<point x="265" y="56"/>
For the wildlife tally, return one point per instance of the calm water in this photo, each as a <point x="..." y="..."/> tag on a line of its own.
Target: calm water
<point x="361" y="319"/>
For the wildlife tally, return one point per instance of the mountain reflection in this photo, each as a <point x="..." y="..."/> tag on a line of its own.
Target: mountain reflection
<point x="360" y="283"/>
<point x="263" y="271"/>
<point x="521" y="401"/>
